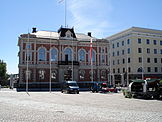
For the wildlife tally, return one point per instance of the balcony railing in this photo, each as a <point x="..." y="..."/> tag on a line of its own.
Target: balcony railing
<point x="68" y="62"/>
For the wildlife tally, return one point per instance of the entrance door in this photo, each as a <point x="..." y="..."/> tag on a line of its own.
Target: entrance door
<point x="68" y="75"/>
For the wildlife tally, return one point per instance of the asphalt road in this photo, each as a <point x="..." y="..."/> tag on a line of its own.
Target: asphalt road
<point x="83" y="107"/>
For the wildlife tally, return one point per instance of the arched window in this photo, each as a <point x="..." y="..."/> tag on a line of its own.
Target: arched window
<point x="54" y="74"/>
<point x="81" y="74"/>
<point x="82" y="55"/>
<point x="28" y="56"/>
<point x="93" y="56"/>
<point x="42" y="54"/>
<point x="54" y="54"/>
<point x="41" y="74"/>
<point x="139" y="69"/>
<point x="68" y="52"/>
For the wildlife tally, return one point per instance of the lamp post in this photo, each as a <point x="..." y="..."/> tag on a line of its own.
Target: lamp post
<point x="122" y="79"/>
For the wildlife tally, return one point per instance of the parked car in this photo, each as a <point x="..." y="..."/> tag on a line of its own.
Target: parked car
<point x="70" y="87"/>
<point x="102" y="87"/>
<point x="95" y="87"/>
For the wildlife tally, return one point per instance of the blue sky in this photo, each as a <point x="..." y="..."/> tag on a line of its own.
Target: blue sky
<point x="101" y="17"/>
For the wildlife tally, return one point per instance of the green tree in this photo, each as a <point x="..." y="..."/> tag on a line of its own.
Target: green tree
<point x="3" y="75"/>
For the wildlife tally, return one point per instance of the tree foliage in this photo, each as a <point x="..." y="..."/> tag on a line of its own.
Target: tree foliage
<point x="3" y="75"/>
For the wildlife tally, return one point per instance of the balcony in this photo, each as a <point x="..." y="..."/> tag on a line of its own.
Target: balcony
<point x="68" y="62"/>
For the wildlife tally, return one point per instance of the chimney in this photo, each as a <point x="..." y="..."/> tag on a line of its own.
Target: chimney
<point x="34" y="30"/>
<point x="89" y="34"/>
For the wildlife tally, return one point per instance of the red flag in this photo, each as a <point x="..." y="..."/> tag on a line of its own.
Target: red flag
<point x="91" y="51"/>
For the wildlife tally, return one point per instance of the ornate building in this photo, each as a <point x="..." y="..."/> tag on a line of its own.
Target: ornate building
<point x="60" y="56"/>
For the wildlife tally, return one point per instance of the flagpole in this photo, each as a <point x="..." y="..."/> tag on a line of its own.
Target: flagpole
<point x="110" y="64"/>
<point x="127" y="67"/>
<point x="72" y="59"/>
<point x="91" y="55"/>
<point x="50" y="63"/>
<point x="65" y="13"/>
<point x="27" y="65"/>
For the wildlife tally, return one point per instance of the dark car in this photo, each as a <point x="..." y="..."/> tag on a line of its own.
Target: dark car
<point x="95" y="87"/>
<point x="70" y="87"/>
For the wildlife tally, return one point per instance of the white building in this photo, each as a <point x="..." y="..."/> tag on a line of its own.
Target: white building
<point x="135" y="53"/>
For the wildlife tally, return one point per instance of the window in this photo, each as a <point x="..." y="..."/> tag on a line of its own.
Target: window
<point x="156" y="69"/>
<point x="160" y="42"/>
<point x="148" y="60"/>
<point x="117" y="44"/>
<point x="123" y="61"/>
<point x="128" y="41"/>
<point x="102" y="50"/>
<point x="148" y="69"/>
<point x="148" y="50"/>
<point x="41" y="74"/>
<point x="129" y="69"/>
<point x="128" y="60"/>
<point x="139" y="50"/>
<point x="139" y="41"/>
<point x="155" y="42"/>
<point x="54" y="75"/>
<point x="160" y="51"/>
<point x="155" y="60"/>
<point x="147" y="41"/>
<point x="103" y="74"/>
<point x="140" y="59"/>
<point x="139" y="69"/>
<point x="113" y="46"/>
<point x="118" y="61"/>
<point x="123" y="70"/>
<point x="42" y="54"/>
<point x="161" y="69"/>
<point x="122" y="52"/>
<point x="54" y="54"/>
<point x="28" y="56"/>
<point x="113" y="62"/>
<point x="82" y="55"/>
<point x="102" y="58"/>
<point x="117" y="53"/>
<point x="82" y="74"/>
<point x="155" y="51"/>
<point x="93" y="56"/>
<point x="128" y="50"/>
<point x="118" y="70"/>
<point x="161" y="60"/>
<point x="122" y="43"/>
<point x="28" y="46"/>
<point x="113" y="54"/>
<point x="113" y="70"/>
<point x="68" y="52"/>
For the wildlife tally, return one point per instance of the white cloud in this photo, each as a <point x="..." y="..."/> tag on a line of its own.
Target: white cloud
<point x="90" y="15"/>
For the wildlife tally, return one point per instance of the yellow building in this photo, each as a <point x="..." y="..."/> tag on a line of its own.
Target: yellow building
<point x="135" y="53"/>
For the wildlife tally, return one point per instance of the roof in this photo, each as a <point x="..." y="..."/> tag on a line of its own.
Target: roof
<point x="60" y="34"/>
<point x="135" y="29"/>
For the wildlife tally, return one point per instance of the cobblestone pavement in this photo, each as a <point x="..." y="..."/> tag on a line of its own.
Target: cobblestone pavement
<point x="83" y="107"/>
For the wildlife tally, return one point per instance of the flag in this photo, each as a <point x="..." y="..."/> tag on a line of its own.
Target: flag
<point x="91" y="51"/>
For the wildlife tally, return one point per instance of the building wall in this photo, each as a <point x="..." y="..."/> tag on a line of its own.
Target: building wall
<point x="133" y="34"/>
<point x="35" y="66"/>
